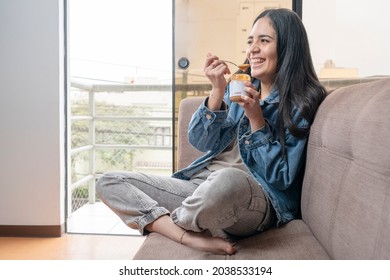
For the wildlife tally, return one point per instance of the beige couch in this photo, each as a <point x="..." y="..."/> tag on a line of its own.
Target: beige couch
<point x="346" y="190"/>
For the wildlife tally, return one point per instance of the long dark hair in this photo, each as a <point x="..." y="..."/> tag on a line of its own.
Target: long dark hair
<point x="295" y="79"/>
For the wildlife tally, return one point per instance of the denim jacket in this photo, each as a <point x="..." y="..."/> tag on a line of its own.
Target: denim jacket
<point x="280" y="177"/>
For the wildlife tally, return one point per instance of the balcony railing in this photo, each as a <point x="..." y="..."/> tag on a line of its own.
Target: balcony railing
<point x="111" y="130"/>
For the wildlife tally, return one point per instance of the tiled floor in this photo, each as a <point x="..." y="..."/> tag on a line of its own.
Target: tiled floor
<point x="97" y="218"/>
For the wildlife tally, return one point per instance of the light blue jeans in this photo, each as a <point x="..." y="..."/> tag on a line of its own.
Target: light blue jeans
<point x="228" y="199"/>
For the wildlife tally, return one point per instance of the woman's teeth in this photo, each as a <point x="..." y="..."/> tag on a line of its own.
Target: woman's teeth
<point x="257" y="60"/>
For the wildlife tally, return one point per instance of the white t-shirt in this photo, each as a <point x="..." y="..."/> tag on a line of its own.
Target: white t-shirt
<point x="230" y="157"/>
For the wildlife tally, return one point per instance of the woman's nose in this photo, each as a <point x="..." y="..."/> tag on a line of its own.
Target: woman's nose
<point x="255" y="49"/>
<point x="252" y="49"/>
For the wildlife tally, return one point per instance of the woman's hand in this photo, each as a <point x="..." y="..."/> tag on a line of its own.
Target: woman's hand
<point x="215" y="70"/>
<point x="251" y="106"/>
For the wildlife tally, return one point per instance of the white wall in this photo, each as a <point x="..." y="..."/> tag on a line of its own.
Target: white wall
<point x="31" y="112"/>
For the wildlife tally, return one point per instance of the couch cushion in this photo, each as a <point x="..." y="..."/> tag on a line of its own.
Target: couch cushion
<point x="159" y="247"/>
<point x="292" y="241"/>
<point x="346" y="191"/>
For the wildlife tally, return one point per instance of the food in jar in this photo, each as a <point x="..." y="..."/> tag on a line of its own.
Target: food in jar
<point x="237" y="86"/>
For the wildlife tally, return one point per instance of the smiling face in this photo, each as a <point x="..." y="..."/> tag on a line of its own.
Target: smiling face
<point x="262" y="51"/>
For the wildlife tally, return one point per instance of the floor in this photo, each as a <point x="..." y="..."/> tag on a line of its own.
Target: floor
<point x="94" y="232"/>
<point x="97" y="218"/>
<point x="71" y="247"/>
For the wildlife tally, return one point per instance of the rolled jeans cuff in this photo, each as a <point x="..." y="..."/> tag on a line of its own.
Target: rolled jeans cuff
<point x="150" y="218"/>
<point x="174" y="217"/>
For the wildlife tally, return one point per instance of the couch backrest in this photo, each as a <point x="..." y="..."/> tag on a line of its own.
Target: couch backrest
<point x="346" y="190"/>
<point x="187" y="153"/>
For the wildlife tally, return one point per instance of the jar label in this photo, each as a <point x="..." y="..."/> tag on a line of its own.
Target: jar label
<point x="236" y="88"/>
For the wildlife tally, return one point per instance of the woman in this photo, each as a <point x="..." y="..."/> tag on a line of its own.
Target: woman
<point x="251" y="176"/>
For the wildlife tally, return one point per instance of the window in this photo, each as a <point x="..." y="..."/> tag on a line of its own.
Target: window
<point x="162" y="136"/>
<point x="348" y="39"/>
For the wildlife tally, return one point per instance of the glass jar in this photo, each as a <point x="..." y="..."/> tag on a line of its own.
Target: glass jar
<point x="237" y="86"/>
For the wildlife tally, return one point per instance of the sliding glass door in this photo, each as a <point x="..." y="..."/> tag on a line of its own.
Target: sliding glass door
<point x="120" y="101"/>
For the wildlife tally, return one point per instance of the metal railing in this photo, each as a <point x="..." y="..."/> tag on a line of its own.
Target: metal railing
<point x="85" y="123"/>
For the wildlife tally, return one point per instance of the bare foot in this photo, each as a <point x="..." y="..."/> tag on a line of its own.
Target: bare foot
<point x="204" y="242"/>
<point x="196" y="240"/>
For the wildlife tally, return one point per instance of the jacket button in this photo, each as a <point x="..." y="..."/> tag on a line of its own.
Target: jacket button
<point x="247" y="142"/>
<point x="208" y="116"/>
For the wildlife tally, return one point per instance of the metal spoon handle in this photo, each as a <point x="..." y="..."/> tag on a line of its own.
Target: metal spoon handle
<point x="229" y="62"/>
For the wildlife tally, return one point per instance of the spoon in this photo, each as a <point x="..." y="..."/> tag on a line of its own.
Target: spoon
<point x="243" y="67"/>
